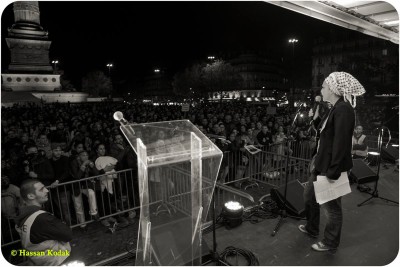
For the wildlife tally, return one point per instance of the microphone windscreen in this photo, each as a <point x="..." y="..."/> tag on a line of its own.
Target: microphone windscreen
<point x="118" y="116"/>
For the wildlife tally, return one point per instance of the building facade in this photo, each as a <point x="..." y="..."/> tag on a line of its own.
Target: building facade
<point x="262" y="76"/>
<point x="373" y="61"/>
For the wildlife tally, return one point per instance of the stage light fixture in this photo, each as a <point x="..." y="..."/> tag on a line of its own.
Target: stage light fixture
<point x="74" y="264"/>
<point x="232" y="213"/>
<point x="373" y="157"/>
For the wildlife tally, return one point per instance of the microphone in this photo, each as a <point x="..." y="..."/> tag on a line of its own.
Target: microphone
<point x="118" y="116"/>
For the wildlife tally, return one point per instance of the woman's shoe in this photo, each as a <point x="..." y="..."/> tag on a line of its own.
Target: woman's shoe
<point x="321" y="247"/>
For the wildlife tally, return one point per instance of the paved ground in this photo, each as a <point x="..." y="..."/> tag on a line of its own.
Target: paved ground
<point x="370" y="235"/>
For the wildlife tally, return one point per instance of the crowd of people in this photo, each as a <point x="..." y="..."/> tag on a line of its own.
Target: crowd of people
<point x="58" y="143"/>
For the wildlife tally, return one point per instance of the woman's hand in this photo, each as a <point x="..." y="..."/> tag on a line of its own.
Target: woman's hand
<point x="108" y="168"/>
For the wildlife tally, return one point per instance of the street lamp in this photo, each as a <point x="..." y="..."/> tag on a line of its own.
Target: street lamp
<point x="55" y="62"/>
<point x="109" y="66"/>
<point x="293" y="41"/>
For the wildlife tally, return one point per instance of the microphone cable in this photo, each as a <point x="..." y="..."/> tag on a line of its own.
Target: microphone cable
<point x="230" y="252"/>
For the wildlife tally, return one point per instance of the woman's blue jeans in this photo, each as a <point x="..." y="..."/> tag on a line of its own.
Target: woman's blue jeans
<point x="332" y="210"/>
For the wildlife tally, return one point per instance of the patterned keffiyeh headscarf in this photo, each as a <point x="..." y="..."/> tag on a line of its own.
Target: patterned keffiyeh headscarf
<point x="344" y="84"/>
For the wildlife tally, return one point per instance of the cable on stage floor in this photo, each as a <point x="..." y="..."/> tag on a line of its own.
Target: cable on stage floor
<point x="230" y="252"/>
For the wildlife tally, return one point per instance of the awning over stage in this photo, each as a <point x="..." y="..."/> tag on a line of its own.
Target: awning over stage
<point x="376" y="18"/>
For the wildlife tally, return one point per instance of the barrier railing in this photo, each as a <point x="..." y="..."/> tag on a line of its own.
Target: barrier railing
<point x="66" y="201"/>
<point x="76" y="202"/>
<point x="266" y="166"/>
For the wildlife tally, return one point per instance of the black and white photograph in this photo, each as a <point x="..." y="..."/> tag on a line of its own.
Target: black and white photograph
<point x="200" y="133"/>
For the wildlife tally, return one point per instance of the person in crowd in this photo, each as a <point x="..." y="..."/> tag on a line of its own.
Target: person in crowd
<point x="61" y="195"/>
<point x="40" y="128"/>
<point x="11" y="167"/>
<point x="333" y="157"/>
<point x="242" y="129"/>
<point x="204" y="123"/>
<point x="229" y="125"/>
<point x="117" y="150"/>
<point x="264" y="137"/>
<point x="98" y="133"/>
<point x="37" y="166"/>
<point x="60" y="135"/>
<point x="252" y="140"/>
<point x="222" y="129"/>
<point x="271" y="128"/>
<point x="43" y="144"/>
<point x="12" y="141"/>
<point x="76" y="148"/>
<point x="258" y="129"/>
<point x="279" y="141"/>
<point x="10" y="198"/>
<point x="25" y="139"/>
<point x="109" y="190"/>
<point x="360" y="148"/>
<point x="275" y="128"/>
<point x="40" y="230"/>
<point x="80" y="168"/>
<point x="216" y="130"/>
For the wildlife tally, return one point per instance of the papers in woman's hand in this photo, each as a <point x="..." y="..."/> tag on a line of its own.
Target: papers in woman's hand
<point x="327" y="189"/>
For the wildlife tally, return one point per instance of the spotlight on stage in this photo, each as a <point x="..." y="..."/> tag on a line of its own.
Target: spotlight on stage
<point x="373" y="158"/>
<point x="74" y="264"/>
<point x="232" y="214"/>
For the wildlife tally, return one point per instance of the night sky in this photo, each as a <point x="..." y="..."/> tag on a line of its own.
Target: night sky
<point x="139" y="36"/>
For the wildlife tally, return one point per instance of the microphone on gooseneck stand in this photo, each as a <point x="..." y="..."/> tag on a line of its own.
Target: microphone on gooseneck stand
<point x="297" y="113"/>
<point x="118" y="116"/>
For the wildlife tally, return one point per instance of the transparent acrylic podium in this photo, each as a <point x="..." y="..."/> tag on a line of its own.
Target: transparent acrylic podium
<point x="177" y="170"/>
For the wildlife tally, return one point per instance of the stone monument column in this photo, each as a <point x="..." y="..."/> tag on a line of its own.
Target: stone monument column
<point x="30" y="68"/>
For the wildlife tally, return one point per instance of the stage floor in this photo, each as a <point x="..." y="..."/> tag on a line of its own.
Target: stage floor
<point x="370" y="235"/>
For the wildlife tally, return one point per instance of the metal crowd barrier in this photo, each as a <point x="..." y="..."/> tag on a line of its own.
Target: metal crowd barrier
<point x="72" y="201"/>
<point x="179" y="198"/>
<point x="266" y="166"/>
<point x="174" y="196"/>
